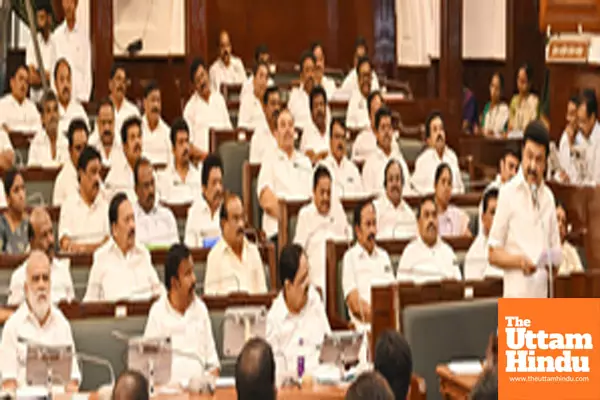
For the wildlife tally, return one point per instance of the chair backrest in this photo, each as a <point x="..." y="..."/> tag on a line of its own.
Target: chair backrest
<point x="251" y="205"/>
<point x="234" y="154"/>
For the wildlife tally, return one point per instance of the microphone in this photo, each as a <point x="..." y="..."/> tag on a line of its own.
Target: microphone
<point x="101" y="362"/>
<point x="36" y="199"/>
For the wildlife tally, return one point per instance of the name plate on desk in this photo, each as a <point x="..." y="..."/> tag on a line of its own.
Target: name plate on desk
<point x="571" y="50"/>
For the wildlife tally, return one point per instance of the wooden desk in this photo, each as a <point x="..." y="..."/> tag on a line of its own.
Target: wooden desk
<point x="487" y="151"/>
<point x="455" y="387"/>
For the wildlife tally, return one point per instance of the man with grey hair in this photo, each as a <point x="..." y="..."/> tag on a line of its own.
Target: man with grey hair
<point x="36" y="321"/>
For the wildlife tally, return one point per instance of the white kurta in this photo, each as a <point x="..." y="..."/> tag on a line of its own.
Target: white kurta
<point x="48" y="53"/>
<point x="423" y="178"/>
<point x="75" y="47"/>
<point x="156" y="144"/>
<point x="220" y="73"/>
<point x="421" y="263"/>
<point x="201" y="116"/>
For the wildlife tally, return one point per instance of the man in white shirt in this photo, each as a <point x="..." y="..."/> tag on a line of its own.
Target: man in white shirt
<point x="69" y="108"/>
<point x="395" y="218"/>
<point x="82" y="226"/>
<point x="155" y="132"/>
<point x="296" y="322"/>
<point x="35" y="322"/>
<point x="202" y="225"/>
<point x="49" y="148"/>
<point x="346" y="178"/>
<point x="571" y="263"/>
<point x="181" y="181"/>
<point x="227" y="69"/>
<point x="261" y="55"/>
<point x="350" y="84"/>
<point x="315" y="137"/>
<point x="251" y="114"/>
<point x="117" y="87"/>
<point x="568" y="172"/>
<point x="588" y="137"/>
<point x="234" y="264"/>
<point x="205" y="109"/>
<point x="122" y="268"/>
<point x="477" y="266"/>
<point x="364" y="264"/>
<point x="104" y="138"/>
<point x="373" y="170"/>
<point x="120" y="176"/>
<point x="436" y="153"/>
<point x="320" y="78"/>
<point x="156" y="225"/>
<point x="427" y="257"/>
<point x="285" y="173"/>
<point x="323" y="218"/>
<point x="264" y="140"/>
<point x="525" y="224"/>
<point x="41" y="237"/>
<point x="43" y="17"/>
<point x="66" y="184"/>
<point x="298" y="102"/>
<point x="357" y="113"/>
<point x="72" y="43"/>
<point x="183" y="317"/>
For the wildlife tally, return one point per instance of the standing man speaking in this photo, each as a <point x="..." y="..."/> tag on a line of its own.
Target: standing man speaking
<point x="525" y="225"/>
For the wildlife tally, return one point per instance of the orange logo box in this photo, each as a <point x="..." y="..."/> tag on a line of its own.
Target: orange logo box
<point x="549" y="349"/>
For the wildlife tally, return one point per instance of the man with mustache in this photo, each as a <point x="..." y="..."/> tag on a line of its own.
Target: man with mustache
<point x="49" y="148"/>
<point x="346" y="178"/>
<point x="436" y="153"/>
<point x="350" y="84"/>
<point x="155" y="132"/>
<point x="117" y="87"/>
<point x="363" y="265"/>
<point x="104" y="139"/>
<point x="202" y="224"/>
<point x="320" y="78"/>
<point x="525" y="225"/>
<point x="43" y="17"/>
<point x="315" y="138"/>
<point x="69" y="108"/>
<point x="122" y="268"/>
<point x="181" y="315"/>
<point x="357" y="113"/>
<point x="66" y="184"/>
<point x="41" y="238"/>
<point x="251" y="114"/>
<point x="568" y="168"/>
<point x="205" y="109"/>
<point x="299" y="101"/>
<point x="427" y="257"/>
<point x="261" y="55"/>
<point x="395" y="218"/>
<point x="234" y="264"/>
<point x="35" y="321"/>
<point x="296" y="320"/>
<point x="373" y="171"/>
<point x="588" y="137"/>
<point x="284" y="173"/>
<point x="156" y="225"/>
<point x="227" y="69"/>
<point x="120" y="177"/>
<point x="323" y="218"/>
<point x="82" y="226"/>
<point x="264" y="140"/>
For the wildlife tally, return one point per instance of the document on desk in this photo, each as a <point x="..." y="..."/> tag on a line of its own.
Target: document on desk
<point x="466" y="367"/>
<point x="551" y="257"/>
<point x="225" y="381"/>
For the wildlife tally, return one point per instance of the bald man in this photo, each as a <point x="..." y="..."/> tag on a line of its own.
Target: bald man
<point x="41" y="237"/>
<point x="36" y="321"/>
<point x="131" y="385"/>
<point x="255" y="371"/>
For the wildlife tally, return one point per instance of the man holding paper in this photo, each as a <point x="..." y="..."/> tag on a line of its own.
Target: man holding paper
<point x="524" y="237"/>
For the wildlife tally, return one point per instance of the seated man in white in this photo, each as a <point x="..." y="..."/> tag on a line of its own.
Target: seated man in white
<point x="36" y="321"/>
<point x="205" y="109"/>
<point x="234" y="263"/>
<point x="395" y="218"/>
<point x="588" y="137"/>
<point x="83" y="226"/>
<point x="117" y="87"/>
<point x="453" y="221"/>
<point x="42" y="239"/>
<point x="122" y="268"/>
<point x="43" y="18"/>
<point x="69" y="108"/>
<point x="156" y="225"/>
<point x="49" y="148"/>
<point x="202" y="227"/>
<point x="357" y="113"/>
<point x="155" y="132"/>
<point x="364" y="265"/>
<point x="299" y="102"/>
<point x="315" y="137"/>
<point x="428" y="258"/>
<point x="104" y="138"/>
<point x="180" y="182"/>
<point x="373" y="170"/>
<point x="570" y="258"/>
<point x="264" y="140"/>
<point x="261" y="55"/>
<point x="120" y="176"/>
<point x="320" y="78"/>
<point x="284" y="174"/>
<point x="568" y="172"/>
<point x="296" y="320"/>
<point x="436" y="153"/>
<point x="66" y="184"/>
<point x="346" y="178"/>
<point x="323" y="218"/>
<point x="182" y="316"/>
<point x="350" y="84"/>
<point x="227" y="68"/>
<point x="477" y="266"/>
<point x="251" y="114"/>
